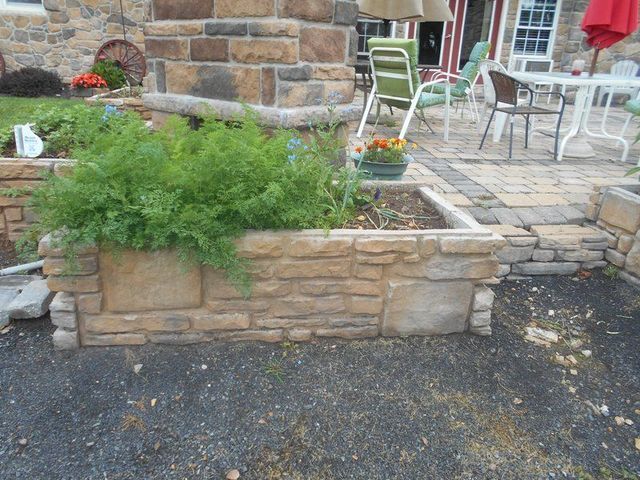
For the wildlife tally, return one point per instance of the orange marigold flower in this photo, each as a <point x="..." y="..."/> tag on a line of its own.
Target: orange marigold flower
<point x="358" y="149"/>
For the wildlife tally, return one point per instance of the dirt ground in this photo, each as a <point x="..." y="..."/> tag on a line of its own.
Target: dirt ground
<point x="455" y="407"/>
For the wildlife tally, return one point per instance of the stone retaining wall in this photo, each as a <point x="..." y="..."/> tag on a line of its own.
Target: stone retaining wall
<point x="18" y="173"/>
<point x="65" y="34"/>
<point x="113" y="98"/>
<point x="549" y="250"/>
<point x="306" y="284"/>
<point x="616" y="210"/>
<point x="286" y="58"/>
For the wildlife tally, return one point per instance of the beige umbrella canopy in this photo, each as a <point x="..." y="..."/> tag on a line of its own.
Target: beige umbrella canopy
<point x="407" y="10"/>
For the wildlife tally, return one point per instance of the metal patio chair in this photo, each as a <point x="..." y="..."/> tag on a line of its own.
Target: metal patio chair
<point x="506" y="89"/>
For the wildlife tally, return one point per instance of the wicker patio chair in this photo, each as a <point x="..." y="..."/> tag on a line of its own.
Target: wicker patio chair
<point x="506" y="89"/>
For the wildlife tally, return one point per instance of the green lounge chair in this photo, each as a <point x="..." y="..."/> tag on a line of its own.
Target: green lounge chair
<point x="632" y="107"/>
<point x="396" y="83"/>
<point x="462" y="91"/>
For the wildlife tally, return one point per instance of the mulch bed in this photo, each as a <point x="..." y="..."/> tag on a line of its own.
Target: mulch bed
<point x="453" y="407"/>
<point x="8" y="256"/>
<point x="397" y="211"/>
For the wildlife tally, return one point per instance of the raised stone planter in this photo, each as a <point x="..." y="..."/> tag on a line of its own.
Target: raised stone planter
<point x="122" y="100"/>
<point x="616" y="210"/>
<point x="18" y="173"/>
<point x="344" y="283"/>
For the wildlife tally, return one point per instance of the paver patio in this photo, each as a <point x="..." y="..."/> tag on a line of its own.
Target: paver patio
<point x="530" y="189"/>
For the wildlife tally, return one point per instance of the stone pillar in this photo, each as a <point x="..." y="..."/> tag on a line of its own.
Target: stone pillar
<point x="286" y="59"/>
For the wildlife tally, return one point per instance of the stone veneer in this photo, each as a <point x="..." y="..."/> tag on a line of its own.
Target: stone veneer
<point x="306" y="284"/>
<point x="285" y="58"/>
<point x="15" y="217"/>
<point x="66" y="34"/>
<point x="616" y="210"/>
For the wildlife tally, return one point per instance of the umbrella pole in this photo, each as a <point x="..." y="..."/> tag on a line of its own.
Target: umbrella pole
<point x="594" y="61"/>
<point x="387" y="28"/>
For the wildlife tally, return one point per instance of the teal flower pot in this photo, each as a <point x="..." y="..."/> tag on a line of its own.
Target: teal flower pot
<point x="382" y="171"/>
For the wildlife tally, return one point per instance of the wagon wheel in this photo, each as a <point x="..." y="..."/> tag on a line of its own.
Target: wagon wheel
<point x="127" y="56"/>
<point x="2" y="65"/>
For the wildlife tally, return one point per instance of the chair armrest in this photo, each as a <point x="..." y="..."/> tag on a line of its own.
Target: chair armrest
<point x="431" y="83"/>
<point x="452" y="75"/>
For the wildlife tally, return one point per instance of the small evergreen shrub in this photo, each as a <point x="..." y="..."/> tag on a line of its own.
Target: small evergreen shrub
<point x="193" y="190"/>
<point x="31" y="82"/>
<point x="111" y="73"/>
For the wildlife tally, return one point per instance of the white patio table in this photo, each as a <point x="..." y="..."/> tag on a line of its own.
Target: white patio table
<point x="574" y="142"/>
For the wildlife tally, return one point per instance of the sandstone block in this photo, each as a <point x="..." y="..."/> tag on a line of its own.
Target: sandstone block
<point x="348" y="332"/>
<point x="171" y="49"/>
<point x="448" y="267"/>
<point x="481" y="331"/>
<point x="322" y="45"/>
<point x="299" y="334"/>
<point x="511" y="254"/>
<point x="290" y="322"/>
<point x="187" y="338"/>
<point x="209" y="49"/>
<point x="353" y="322"/>
<point x="63" y="302"/>
<point x="346" y="13"/>
<point x="427" y="247"/>
<point x="471" y="245"/>
<point x="49" y="247"/>
<point x="244" y="8"/>
<point x="299" y="94"/>
<point x="182" y="9"/>
<point x="270" y="336"/>
<point x="483" y="298"/>
<point x="264" y="51"/>
<point x="153" y="322"/>
<point x="320" y="247"/>
<point x="386" y="245"/>
<point x="522" y="241"/>
<point x="237" y="306"/>
<point x="630" y="279"/>
<point x="226" y="28"/>
<point x="616" y="258"/>
<point x="24" y="169"/>
<point x="383" y="259"/>
<point x="580" y="255"/>
<point x="88" y="283"/>
<point x="369" y="272"/>
<point x="295" y="74"/>
<point x="83" y="265"/>
<point x="633" y="259"/>
<point x="625" y="243"/>
<point x="323" y="72"/>
<point x="314" y="268"/>
<point x="212" y="321"/>
<point x="274" y="29"/>
<point x="545" y="268"/>
<point x="594" y="265"/>
<point x="543" y="255"/>
<point x="480" y="319"/>
<point x="137" y="281"/>
<point x="66" y="320"/>
<point x="304" y="306"/>
<point x="268" y="88"/>
<point x="12" y="214"/>
<point x="354" y="287"/>
<point x="621" y="209"/>
<point x="261" y="246"/>
<point x="65" y="339"/>
<point x="114" y="340"/>
<point x="365" y="305"/>
<point x="313" y="10"/>
<point x="426" y="308"/>
<point x="503" y="271"/>
<point x="90" y="303"/>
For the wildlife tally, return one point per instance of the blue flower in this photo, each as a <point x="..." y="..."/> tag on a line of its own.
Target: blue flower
<point x="378" y="195"/>
<point x="293" y="145"/>
<point x="110" y="110"/>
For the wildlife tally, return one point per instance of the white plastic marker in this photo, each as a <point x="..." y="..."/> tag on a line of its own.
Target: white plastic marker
<point x="28" y="144"/>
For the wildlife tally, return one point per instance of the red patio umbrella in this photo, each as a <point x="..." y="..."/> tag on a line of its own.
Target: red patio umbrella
<point x="607" y="22"/>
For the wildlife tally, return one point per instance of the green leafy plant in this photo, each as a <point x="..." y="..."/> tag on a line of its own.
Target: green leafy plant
<point x="31" y="82"/>
<point x="111" y="73"/>
<point x="195" y="191"/>
<point x="611" y="271"/>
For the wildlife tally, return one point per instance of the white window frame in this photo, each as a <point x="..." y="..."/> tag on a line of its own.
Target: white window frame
<point x="552" y="35"/>
<point x="21" y="8"/>
<point x="392" y="32"/>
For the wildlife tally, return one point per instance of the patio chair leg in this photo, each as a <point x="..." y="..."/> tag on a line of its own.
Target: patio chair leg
<point x="511" y="136"/>
<point x="365" y="114"/>
<point x="407" y="120"/>
<point x="484" y="137"/>
<point x="624" y="130"/>
<point x="557" y="139"/>
<point x="474" y="106"/>
<point x="526" y="132"/>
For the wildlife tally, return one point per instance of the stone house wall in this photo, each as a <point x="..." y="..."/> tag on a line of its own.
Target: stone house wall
<point x="66" y="34"/>
<point x="306" y="284"/>
<point x="569" y="43"/>
<point x="18" y="173"/>
<point x="616" y="210"/>
<point x="283" y="58"/>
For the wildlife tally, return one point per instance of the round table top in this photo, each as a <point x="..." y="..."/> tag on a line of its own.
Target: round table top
<point x="565" y="78"/>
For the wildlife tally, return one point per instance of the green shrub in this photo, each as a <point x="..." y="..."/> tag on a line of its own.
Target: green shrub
<point x="111" y="72"/>
<point x="193" y="190"/>
<point x="31" y="82"/>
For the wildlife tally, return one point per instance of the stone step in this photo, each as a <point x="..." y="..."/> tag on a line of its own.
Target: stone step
<point x="10" y="288"/>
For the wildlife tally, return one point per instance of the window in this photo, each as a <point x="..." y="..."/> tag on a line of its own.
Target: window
<point x="21" y="5"/>
<point x="535" y="27"/>
<point x="367" y="29"/>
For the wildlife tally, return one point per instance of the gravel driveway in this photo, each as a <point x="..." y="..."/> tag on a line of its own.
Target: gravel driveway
<point x="421" y="408"/>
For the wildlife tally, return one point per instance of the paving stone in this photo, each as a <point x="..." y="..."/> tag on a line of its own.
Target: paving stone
<point x="32" y="302"/>
<point x="482" y="215"/>
<point x="529" y="216"/>
<point x="509" y="230"/>
<point x="545" y="268"/>
<point x="551" y="215"/>
<point x="506" y="216"/>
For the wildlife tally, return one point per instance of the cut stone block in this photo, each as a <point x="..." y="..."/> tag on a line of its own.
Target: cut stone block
<point x="545" y="268"/>
<point x="615" y="257"/>
<point x="32" y="302"/>
<point x="65" y="339"/>
<point x="543" y="255"/>
<point x="511" y="254"/>
<point x="621" y="208"/>
<point x="426" y="308"/>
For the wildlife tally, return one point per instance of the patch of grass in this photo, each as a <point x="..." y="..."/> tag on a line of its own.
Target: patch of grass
<point x="14" y="110"/>
<point x="605" y="473"/>
<point x="611" y="271"/>
<point x="275" y="369"/>
<point x="130" y="421"/>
